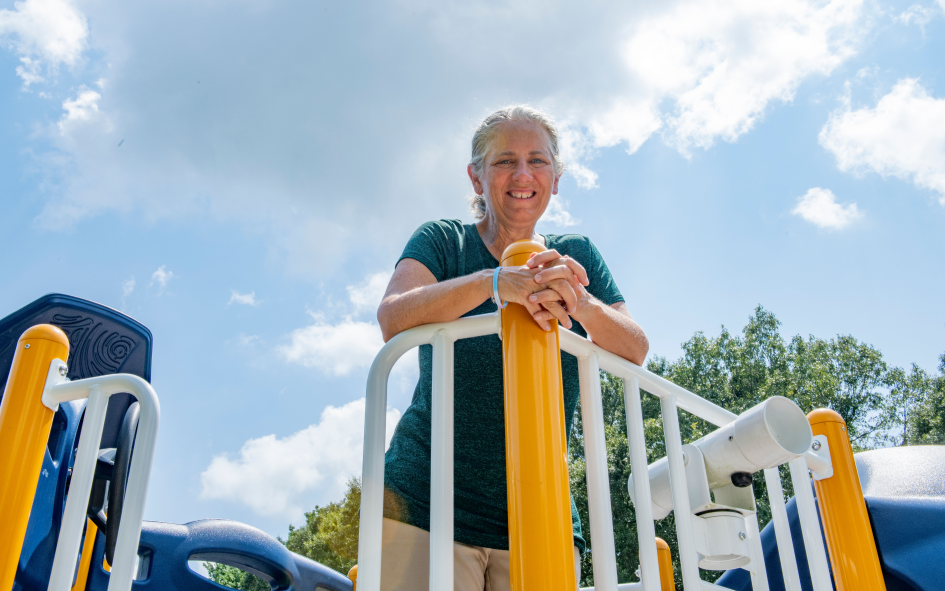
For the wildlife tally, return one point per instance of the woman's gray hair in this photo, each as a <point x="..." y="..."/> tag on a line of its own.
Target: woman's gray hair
<point x="486" y="131"/>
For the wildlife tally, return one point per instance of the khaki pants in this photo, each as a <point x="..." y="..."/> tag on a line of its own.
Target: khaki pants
<point x="405" y="562"/>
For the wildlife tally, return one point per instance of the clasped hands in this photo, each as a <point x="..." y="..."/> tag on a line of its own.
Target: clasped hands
<point x="550" y="286"/>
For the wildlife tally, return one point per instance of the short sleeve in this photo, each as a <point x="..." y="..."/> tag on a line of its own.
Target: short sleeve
<point x="602" y="285"/>
<point x="430" y="245"/>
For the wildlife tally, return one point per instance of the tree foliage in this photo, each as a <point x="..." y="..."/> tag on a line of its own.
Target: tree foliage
<point x="880" y="405"/>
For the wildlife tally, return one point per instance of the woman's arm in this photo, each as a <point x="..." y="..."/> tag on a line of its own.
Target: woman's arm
<point x="414" y="296"/>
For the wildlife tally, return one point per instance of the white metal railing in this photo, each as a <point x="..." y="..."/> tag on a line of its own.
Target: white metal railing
<point x="98" y="390"/>
<point x="591" y="358"/>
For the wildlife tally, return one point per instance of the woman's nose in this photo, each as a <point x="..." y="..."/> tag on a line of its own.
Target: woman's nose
<point x="521" y="171"/>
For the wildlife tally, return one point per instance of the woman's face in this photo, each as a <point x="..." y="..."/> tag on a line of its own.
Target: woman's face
<point x="518" y="176"/>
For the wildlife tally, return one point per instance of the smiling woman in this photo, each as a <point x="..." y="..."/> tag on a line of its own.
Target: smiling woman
<point x="450" y="269"/>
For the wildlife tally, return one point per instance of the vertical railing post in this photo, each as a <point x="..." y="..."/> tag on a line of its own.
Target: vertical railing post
<point x="604" y="555"/>
<point x="681" y="508"/>
<point x="646" y="530"/>
<point x="541" y="542"/>
<point x="810" y="527"/>
<point x="441" y="465"/>
<point x="782" y="530"/>
<point x="846" y="521"/>
<point x="25" y="423"/>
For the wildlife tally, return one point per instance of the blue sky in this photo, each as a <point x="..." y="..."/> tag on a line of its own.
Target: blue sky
<point x="241" y="177"/>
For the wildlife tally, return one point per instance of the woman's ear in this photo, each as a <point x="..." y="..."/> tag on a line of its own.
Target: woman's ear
<point x="554" y="188"/>
<point x="476" y="183"/>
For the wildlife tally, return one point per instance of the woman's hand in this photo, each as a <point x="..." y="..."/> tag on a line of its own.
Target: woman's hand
<point x="550" y="286"/>
<point x="518" y="285"/>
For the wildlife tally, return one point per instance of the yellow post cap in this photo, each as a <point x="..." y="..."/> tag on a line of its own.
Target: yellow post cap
<point x="824" y="415"/>
<point x="522" y="247"/>
<point x="661" y="544"/>
<point x="45" y="332"/>
<point x="353" y="573"/>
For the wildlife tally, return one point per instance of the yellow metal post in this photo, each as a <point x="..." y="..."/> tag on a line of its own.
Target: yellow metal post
<point x="843" y="512"/>
<point x="541" y="542"/>
<point x="665" y="558"/>
<point x="353" y="575"/>
<point x="85" y="560"/>
<point x="24" y="430"/>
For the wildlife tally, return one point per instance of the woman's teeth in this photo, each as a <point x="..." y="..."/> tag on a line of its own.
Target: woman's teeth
<point x="521" y="194"/>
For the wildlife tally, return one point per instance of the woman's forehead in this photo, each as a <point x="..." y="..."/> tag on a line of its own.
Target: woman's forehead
<point x="518" y="136"/>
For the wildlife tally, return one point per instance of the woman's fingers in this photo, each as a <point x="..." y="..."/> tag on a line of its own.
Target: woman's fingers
<point x="557" y="291"/>
<point x="550" y="312"/>
<point x="542" y="258"/>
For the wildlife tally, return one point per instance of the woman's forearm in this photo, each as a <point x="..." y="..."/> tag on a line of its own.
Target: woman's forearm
<point x="615" y="331"/>
<point x="438" y="302"/>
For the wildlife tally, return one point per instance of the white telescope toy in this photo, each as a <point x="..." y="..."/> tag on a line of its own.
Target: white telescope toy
<point x="721" y="463"/>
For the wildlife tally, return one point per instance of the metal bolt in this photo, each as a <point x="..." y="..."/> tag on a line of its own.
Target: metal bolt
<point x="815" y="445"/>
<point x="26" y="346"/>
<point x="63" y="370"/>
<point x="742" y="536"/>
<point x="841" y="428"/>
<point x="730" y="438"/>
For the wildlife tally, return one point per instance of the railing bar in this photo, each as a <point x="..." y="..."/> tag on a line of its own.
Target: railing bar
<point x="441" y="465"/>
<point x="604" y="555"/>
<point x="759" y="571"/>
<point x="681" y="507"/>
<point x="810" y="526"/>
<point x="129" y="532"/>
<point x="782" y="530"/>
<point x="646" y="530"/>
<point x="83" y="470"/>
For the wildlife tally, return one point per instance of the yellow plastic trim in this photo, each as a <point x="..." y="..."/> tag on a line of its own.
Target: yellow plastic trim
<point x="846" y="522"/>
<point x="353" y="575"/>
<point x="665" y="558"/>
<point x="24" y="430"/>
<point x="541" y="542"/>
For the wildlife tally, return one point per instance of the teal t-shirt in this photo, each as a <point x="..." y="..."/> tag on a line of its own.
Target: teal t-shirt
<point x="450" y="249"/>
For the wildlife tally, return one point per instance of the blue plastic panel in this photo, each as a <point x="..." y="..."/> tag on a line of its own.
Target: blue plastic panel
<point x="223" y="542"/>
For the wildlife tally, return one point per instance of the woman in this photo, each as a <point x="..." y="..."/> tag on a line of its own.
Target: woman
<point x="445" y="272"/>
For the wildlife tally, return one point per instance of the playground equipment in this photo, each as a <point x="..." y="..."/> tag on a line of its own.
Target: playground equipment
<point x="59" y="532"/>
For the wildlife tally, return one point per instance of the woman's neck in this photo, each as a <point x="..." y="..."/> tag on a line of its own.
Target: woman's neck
<point x="497" y="237"/>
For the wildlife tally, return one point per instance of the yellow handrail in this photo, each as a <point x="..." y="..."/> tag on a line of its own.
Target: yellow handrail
<point x="25" y="423"/>
<point x="846" y="522"/>
<point x="541" y="542"/>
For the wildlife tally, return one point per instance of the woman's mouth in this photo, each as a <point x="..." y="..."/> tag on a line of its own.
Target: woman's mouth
<point x="521" y="194"/>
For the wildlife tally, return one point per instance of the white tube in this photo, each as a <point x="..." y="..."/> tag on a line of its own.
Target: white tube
<point x="782" y="531"/>
<point x="441" y="465"/>
<point x="83" y="472"/>
<point x="604" y="554"/>
<point x="646" y="531"/>
<point x="759" y="571"/>
<point x="684" y="532"/>
<point x="375" y="422"/>
<point x="98" y="390"/>
<point x="764" y="436"/>
<point x="810" y="526"/>
<point x="661" y="387"/>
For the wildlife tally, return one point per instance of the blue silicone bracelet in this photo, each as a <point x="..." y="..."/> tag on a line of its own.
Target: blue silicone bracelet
<point x="495" y="290"/>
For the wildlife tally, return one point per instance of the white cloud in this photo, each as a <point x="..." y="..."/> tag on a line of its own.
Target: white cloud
<point x="127" y="287"/>
<point x="162" y="276"/>
<point x="83" y="108"/>
<point x="43" y="33"/>
<point x="558" y="214"/>
<point x="819" y="207"/>
<point x="336" y="349"/>
<point x="367" y="295"/>
<point x="248" y="299"/>
<point x="259" y="156"/>
<point x="723" y="62"/>
<point x="284" y="477"/>
<point x="903" y="137"/>
<point x="917" y="14"/>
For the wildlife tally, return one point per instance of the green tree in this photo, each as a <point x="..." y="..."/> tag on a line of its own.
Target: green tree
<point x="234" y="578"/>
<point x="928" y="420"/>
<point x="330" y="533"/>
